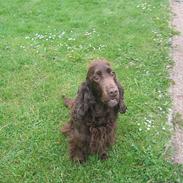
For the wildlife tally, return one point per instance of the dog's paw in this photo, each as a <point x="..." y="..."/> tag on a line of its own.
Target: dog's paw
<point x="103" y="156"/>
<point x="78" y="158"/>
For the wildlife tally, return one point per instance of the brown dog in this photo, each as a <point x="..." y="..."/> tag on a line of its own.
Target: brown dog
<point x="94" y="113"/>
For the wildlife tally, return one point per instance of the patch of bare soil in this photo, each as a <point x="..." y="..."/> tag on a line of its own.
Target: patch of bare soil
<point x="177" y="77"/>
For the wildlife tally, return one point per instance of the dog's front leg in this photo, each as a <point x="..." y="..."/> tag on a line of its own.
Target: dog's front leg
<point x="77" y="144"/>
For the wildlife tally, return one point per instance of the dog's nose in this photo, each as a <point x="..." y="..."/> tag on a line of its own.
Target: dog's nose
<point x="113" y="92"/>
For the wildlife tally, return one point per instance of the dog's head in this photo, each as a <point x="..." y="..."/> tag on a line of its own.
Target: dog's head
<point x="104" y="83"/>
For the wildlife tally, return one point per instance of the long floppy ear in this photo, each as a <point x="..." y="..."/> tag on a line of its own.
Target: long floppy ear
<point x="122" y="106"/>
<point x="83" y="100"/>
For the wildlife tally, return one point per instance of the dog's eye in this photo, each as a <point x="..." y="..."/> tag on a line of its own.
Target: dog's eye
<point x="99" y="73"/>
<point x="109" y="70"/>
<point x="96" y="78"/>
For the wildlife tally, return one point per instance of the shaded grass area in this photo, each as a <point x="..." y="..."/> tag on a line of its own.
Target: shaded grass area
<point x="44" y="52"/>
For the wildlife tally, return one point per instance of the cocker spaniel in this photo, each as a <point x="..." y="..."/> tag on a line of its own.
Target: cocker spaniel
<point x="91" y="129"/>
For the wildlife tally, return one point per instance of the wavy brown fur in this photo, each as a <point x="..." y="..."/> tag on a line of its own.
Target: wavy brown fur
<point x="91" y="129"/>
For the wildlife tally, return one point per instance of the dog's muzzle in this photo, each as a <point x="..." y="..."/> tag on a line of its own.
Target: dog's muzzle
<point x="112" y="103"/>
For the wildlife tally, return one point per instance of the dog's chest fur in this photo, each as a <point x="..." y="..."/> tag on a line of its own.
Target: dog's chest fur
<point x="101" y="115"/>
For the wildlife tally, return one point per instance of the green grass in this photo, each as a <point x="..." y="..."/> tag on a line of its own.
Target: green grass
<point x="45" y="47"/>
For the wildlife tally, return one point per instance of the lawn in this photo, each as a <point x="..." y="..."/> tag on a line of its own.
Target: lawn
<point x="45" y="48"/>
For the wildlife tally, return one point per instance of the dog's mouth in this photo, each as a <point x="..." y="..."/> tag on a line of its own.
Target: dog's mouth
<point x="112" y="102"/>
<point x="109" y="92"/>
